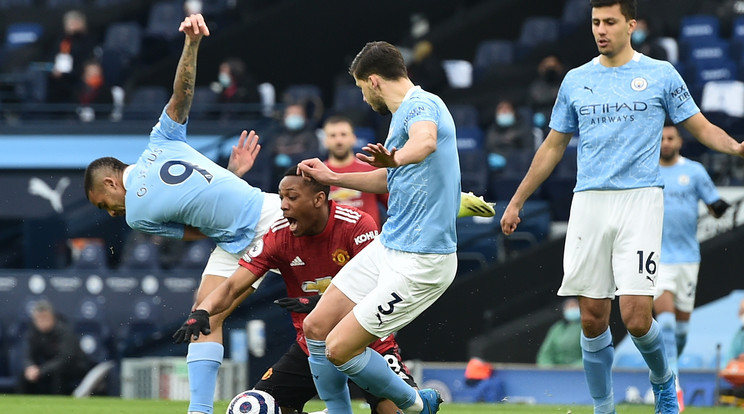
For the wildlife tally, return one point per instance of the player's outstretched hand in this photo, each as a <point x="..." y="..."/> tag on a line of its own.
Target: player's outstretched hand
<point x="303" y="304"/>
<point x="196" y="324"/>
<point x="194" y="26"/>
<point x="379" y="156"/>
<point x="244" y="154"/>
<point x="510" y="219"/>
<point x="316" y="169"/>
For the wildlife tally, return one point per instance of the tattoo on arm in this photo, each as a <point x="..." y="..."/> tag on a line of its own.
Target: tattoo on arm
<point x="183" y="85"/>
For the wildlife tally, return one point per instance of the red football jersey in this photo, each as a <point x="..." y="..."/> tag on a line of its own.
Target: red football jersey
<point x="364" y="201"/>
<point x="308" y="263"/>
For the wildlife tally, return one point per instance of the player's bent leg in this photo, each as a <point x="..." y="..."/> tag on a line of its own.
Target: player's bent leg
<point x="330" y="382"/>
<point x="347" y="349"/>
<point x="379" y="405"/>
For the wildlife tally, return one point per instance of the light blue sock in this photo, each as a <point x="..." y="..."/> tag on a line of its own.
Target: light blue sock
<point x="332" y="384"/>
<point x="668" y="323"/>
<point x="681" y="335"/>
<point x="652" y="349"/>
<point x="598" y="354"/>
<point x="371" y="372"/>
<point x="203" y="361"/>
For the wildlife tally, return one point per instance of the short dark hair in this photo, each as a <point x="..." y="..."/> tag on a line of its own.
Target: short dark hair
<point x="379" y="58"/>
<point x="316" y="186"/>
<point x="104" y="163"/>
<point x="628" y="8"/>
<point x="337" y="119"/>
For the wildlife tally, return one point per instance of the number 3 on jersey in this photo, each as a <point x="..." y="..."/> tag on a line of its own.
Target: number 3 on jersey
<point x="183" y="173"/>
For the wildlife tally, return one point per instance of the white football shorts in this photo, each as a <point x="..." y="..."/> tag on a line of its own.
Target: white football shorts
<point x="680" y="279"/>
<point x="613" y="243"/>
<point x="391" y="288"/>
<point x="222" y="263"/>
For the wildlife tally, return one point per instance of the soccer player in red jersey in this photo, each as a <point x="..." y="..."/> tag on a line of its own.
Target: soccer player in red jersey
<point x="309" y="245"/>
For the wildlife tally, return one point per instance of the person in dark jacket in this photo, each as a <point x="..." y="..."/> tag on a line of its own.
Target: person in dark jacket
<point x="54" y="364"/>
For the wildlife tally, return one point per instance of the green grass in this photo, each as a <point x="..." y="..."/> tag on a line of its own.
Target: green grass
<point x="25" y="404"/>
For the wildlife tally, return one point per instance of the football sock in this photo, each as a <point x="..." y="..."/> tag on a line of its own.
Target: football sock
<point x="652" y="349"/>
<point x="332" y="384"/>
<point x="598" y="354"/>
<point x="681" y="335"/>
<point x="203" y="361"/>
<point x="667" y="322"/>
<point x="371" y="372"/>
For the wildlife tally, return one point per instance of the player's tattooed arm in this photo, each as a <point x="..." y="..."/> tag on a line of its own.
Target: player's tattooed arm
<point x="179" y="105"/>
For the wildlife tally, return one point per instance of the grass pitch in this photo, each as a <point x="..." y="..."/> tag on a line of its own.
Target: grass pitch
<point x="26" y="404"/>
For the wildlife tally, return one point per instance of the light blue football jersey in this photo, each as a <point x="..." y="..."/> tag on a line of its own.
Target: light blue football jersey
<point x="172" y="185"/>
<point x="424" y="197"/>
<point x="619" y="114"/>
<point x="685" y="183"/>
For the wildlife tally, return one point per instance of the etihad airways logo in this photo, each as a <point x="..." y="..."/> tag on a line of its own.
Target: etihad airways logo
<point x="612" y="112"/>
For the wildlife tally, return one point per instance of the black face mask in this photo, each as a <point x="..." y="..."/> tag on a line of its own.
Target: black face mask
<point x="551" y="75"/>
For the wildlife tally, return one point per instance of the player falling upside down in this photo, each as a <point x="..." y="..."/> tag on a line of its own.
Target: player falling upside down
<point x="174" y="191"/>
<point x="313" y="241"/>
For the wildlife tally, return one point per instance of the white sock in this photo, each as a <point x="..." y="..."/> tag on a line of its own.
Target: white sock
<point x="417" y="407"/>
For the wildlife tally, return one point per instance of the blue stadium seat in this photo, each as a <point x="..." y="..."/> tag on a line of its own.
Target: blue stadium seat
<point x="698" y="27"/>
<point x="9" y="4"/>
<point x="575" y="13"/>
<point x="142" y="327"/>
<point x="710" y="70"/>
<point x="478" y="240"/>
<point x="474" y="171"/>
<point x="164" y="19"/>
<point x="124" y="36"/>
<point x="705" y="49"/>
<point x="537" y="30"/>
<point x="22" y="34"/>
<point x="365" y="135"/>
<point x="465" y="116"/>
<point x="196" y="254"/>
<point x="63" y="4"/>
<point x="470" y="139"/>
<point x="347" y="97"/>
<point x="203" y="105"/>
<point x="141" y="256"/>
<point x="493" y="52"/>
<point x="146" y="102"/>
<point x="303" y="93"/>
<point x="690" y="361"/>
<point x="92" y="257"/>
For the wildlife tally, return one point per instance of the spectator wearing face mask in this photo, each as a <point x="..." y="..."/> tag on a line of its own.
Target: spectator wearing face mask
<point x="295" y="139"/>
<point x="508" y="133"/>
<point x="643" y="41"/>
<point x="93" y="94"/>
<point x="73" y="49"/>
<point x="561" y="345"/>
<point x="234" y="86"/>
<point x="543" y="90"/>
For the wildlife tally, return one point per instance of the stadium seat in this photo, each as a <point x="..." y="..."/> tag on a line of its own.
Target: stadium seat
<point x="196" y="255"/>
<point x="705" y="49"/>
<point x="365" y="135"/>
<point x="465" y="116"/>
<point x="163" y="17"/>
<point x="63" y="4"/>
<point x="671" y="47"/>
<point x="142" y="327"/>
<point x="697" y="27"/>
<point x="473" y="170"/>
<point x="690" y="361"/>
<point x="493" y="52"/>
<point x="536" y="30"/>
<point x="92" y="257"/>
<point x="146" y="102"/>
<point x="203" y="105"/>
<point x="711" y="70"/>
<point x="469" y="139"/>
<point x="723" y="96"/>
<point x="9" y="4"/>
<point x="22" y="34"/>
<point x="124" y="36"/>
<point x="348" y="96"/>
<point x="141" y="256"/>
<point x="478" y="240"/>
<point x="303" y="93"/>
<point x="575" y="13"/>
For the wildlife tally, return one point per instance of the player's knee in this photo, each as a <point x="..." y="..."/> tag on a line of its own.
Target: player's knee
<point x="335" y="352"/>
<point x="637" y="324"/>
<point x="313" y="328"/>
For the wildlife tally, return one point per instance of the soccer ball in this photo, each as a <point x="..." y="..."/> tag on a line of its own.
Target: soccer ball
<point x="253" y="402"/>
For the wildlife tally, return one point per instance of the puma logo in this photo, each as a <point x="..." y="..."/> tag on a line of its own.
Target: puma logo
<point x="37" y="186"/>
<point x="589" y="89"/>
<point x="379" y="318"/>
<point x="651" y="280"/>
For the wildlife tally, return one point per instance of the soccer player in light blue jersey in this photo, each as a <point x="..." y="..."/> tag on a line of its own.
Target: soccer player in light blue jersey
<point x="174" y="191"/>
<point x="685" y="182"/>
<point x="617" y="103"/>
<point x="413" y="261"/>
